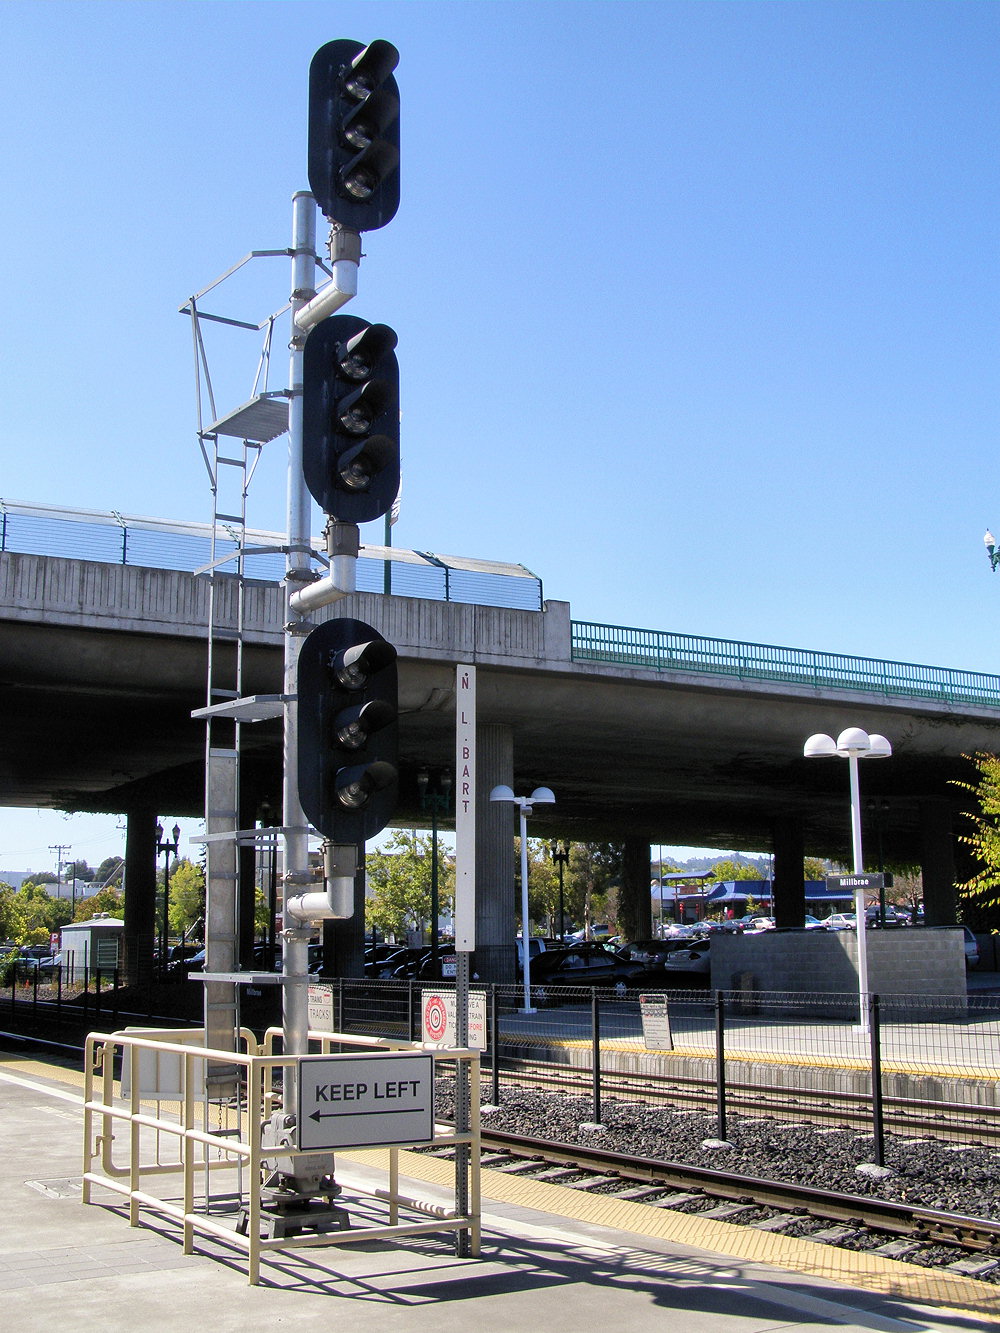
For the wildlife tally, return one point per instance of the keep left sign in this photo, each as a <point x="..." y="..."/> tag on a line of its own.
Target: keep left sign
<point x="357" y="1101"/>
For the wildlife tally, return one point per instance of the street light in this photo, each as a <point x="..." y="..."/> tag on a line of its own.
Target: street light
<point x="525" y="804"/>
<point x="165" y="848"/>
<point x="991" y="550"/>
<point x="436" y="802"/>
<point x="852" y="745"/>
<point x="559" y="852"/>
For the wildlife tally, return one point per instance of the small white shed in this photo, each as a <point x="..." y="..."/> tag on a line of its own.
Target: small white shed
<point x="95" y="945"/>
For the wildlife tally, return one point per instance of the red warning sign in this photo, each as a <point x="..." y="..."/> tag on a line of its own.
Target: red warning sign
<point x="435" y="1024"/>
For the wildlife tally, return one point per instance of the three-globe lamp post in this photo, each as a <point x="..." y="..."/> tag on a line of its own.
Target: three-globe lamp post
<point x="525" y="806"/>
<point x="853" y="744"/>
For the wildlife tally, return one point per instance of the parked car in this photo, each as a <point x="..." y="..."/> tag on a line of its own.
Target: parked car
<point x="36" y="951"/>
<point x="841" y="921"/>
<point x="378" y="953"/>
<point x="588" y="963"/>
<point x="29" y="965"/>
<point x="179" y="970"/>
<point x="694" y="960"/>
<point x="758" y="923"/>
<point x="971" y="947"/>
<point x="536" y="946"/>
<point x="747" y="922"/>
<point x="177" y="952"/>
<point x="893" y="918"/>
<point x="598" y="933"/>
<point x="409" y="966"/>
<point x="389" y="966"/>
<point x="684" y="931"/>
<point x="649" y="953"/>
<point x="814" y="923"/>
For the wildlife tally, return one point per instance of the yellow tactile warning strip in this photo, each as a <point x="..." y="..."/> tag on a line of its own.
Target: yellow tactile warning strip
<point x="888" y="1277"/>
<point x="776" y="1057"/>
<point x="28" y="1067"/>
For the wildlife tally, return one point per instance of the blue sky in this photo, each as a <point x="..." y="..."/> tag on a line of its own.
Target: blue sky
<point x="697" y="302"/>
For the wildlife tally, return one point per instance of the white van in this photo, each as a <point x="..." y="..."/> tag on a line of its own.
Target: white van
<point x="536" y="945"/>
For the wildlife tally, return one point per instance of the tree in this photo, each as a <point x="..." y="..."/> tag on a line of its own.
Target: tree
<point x="187" y="897"/>
<point x="10" y="917"/>
<point x="543" y="887"/>
<point x="980" y="895"/>
<point x="595" y="870"/>
<point x="727" y="870"/>
<point x="109" y="871"/>
<point x="813" y="869"/>
<point x="399" y="884"/>
<point x="108" y="900"/>
<point x="40" y="914"/>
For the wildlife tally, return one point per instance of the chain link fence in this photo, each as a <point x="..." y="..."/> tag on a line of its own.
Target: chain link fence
<point x="910" y="1065"/>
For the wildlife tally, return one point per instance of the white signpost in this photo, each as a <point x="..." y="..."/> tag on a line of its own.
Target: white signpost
<point x="355" y="1101"/>
<point x="465" y="808"/>
<point x="465" y="916"/>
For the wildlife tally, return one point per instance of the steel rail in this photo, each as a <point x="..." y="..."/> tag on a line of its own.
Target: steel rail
<point x="901" y="1219"/>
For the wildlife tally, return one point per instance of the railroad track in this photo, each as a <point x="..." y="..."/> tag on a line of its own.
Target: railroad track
<point x="903" y="1115"/>
<point x="969" y="1246"/>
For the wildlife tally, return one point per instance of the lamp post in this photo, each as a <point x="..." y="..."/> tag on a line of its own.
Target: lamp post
<point x="525" y="805"/>
<point x="559" y="851"/>
<point x="434" y="802"/>
<point x="164" y="849"/>
<point x="852" y="745"/>
<point x="992" y="554"/>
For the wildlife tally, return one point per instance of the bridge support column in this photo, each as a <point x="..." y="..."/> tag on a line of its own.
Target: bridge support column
<point x="937" y="862"/>
<point x="635" y="908"/>
<point x="788" y="887"/>
<point x="496" y="951"/>
<point x="139" y="935"/>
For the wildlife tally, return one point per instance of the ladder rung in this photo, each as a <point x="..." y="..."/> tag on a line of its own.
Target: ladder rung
<point x="229" y="518"/>
<point x="233" y="462"/>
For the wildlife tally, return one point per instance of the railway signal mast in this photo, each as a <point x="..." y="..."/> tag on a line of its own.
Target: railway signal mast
<point x="340" y="692"/>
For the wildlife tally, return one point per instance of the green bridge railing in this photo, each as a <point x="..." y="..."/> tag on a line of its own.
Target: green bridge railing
<point x="659" y="650"/>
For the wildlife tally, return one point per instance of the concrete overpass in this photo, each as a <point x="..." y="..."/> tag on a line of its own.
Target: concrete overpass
<point x="651" y="738"/>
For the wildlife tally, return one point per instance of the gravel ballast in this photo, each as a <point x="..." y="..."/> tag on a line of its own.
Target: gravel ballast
<point x="924" y="1173"/>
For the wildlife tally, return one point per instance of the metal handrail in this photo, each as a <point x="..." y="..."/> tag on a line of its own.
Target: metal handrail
<point x="664" y="651"/>
<point x="109" y="537"/>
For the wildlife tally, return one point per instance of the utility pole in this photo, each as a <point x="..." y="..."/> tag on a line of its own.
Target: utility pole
<point x="59" y="849"/>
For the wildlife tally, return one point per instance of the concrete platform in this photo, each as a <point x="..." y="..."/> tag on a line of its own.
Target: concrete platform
<point x="554" y="1260"/>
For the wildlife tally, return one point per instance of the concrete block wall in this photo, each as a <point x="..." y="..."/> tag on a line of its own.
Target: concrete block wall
<point x="926" y="961"/>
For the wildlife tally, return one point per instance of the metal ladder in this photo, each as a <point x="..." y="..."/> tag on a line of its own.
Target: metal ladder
<point x="231" y="446"/>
